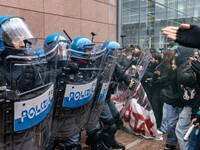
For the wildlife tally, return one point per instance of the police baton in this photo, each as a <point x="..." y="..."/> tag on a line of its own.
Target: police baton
<point x="67" y="35"/>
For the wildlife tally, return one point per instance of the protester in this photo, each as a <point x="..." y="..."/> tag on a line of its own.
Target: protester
<point x="187" y="35"/>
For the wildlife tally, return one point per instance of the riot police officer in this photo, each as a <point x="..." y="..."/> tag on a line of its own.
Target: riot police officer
<point x="71" y="108"/>
<point x="57" y="141"/>
<point x="16" y="39"/>
<point x="17" y="77"/>
<point x="110" y="116"/>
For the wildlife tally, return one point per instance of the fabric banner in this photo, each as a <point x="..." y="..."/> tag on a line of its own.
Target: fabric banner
<point x="137" y="116"/>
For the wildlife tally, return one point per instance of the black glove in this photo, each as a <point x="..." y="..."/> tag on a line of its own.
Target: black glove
<point x="112" y="87"/>
<point x="189" y="37"/>
<point x="26" y="81"/>
<point x="8" y="95"/>
<point x="196" y="68"/>
<point x="71" y="68"/>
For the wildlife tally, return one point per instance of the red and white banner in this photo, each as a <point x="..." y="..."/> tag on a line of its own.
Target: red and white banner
<point x="136" y="112"/>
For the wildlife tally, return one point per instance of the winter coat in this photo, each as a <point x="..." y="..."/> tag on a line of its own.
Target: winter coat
<point x="186" y="80"/>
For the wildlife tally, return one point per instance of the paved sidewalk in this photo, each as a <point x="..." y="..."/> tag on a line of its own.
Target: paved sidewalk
<point x="133" y="142"/>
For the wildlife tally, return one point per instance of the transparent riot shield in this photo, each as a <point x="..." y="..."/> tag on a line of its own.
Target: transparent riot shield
<point x="134" y="106"/>
<point x="102" y="89"/>
<point x="124" y="57"/>
<point x="137" y="72"/>
<point x="27" y="99"/>
<point x="74" y="93"/>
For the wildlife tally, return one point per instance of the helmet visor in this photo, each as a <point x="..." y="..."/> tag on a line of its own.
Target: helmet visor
<point x="89" y="53"/>
<point x="15" y="30"/>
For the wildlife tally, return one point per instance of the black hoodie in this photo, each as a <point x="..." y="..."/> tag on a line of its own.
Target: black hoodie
<point x="186" y="79"/>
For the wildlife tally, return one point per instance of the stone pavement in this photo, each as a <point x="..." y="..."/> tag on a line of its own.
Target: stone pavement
<point x="133" y="142"/>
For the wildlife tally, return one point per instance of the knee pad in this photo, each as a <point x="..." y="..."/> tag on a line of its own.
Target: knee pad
<point x="110" y="128"/>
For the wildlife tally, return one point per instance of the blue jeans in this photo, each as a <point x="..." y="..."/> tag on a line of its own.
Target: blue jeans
<point x="172" y="121"/>
<point x="109" y="111"/>
<point x="182" y="126"/>
<point x="165" y="117"/>
<point x="192" y="140"/>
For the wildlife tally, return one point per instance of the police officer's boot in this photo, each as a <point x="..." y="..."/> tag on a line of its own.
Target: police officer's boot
<point x="117" y="145"/>
<point x="94" y="140"/>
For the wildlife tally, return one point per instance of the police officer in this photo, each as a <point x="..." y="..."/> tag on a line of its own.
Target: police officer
<point x="56" y="140"/>
<point x="16" y="40"/>
<point x="69" y="118"/>
<point x="110" y="116"/>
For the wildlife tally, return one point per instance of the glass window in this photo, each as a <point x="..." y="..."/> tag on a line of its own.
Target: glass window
<point x="190" y="10"/>
<point x="172" y="23"/>
<point x="172" y="4"/>
<point x="190" y="2"/>
<point x="160" y="11"/>
<point x="181" y="17"/>
<point x="161" y="2"/>
<point x="172" y="13"/>
<point x="181" y="6"/>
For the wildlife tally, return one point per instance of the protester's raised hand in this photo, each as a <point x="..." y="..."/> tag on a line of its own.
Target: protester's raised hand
<point x="186" y="35"/>
<point x="170" y="32"/>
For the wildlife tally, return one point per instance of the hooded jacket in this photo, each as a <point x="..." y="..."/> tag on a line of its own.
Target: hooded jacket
<point x="186" y="80"/>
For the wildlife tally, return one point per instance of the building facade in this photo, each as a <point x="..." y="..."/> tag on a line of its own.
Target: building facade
<point x="77" y="17"/>
<point x="141" y="20"/>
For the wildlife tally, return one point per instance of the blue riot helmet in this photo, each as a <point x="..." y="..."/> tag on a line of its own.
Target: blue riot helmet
<point x="80" y="46"/>
<point x="53" y="38"/>
<point x="15" y="32"/>
<point x="57" y="39"/>
<point x="110" y="45"/>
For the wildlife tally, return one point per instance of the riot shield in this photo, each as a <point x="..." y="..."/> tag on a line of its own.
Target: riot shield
<point x="102" y="89"/>
<point x="137" y="71"/>
<point x="74" y="93"/>
<point x="134" y="106"/>
<point x="27" y="100"/>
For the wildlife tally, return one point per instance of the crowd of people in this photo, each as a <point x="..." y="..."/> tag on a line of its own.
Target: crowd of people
<point x="50" y="94"/>
<point x="171" y="82"/>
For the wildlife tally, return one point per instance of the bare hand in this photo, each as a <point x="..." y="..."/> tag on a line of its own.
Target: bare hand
<point x="194" y="122"/>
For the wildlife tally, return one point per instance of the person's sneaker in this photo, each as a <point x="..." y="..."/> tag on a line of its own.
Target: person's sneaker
<point x="169" y="147"/>
<point x="116" y="145"/>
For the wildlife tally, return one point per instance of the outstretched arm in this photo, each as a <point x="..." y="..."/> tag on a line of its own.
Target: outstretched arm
<point x="187" y="35"/>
